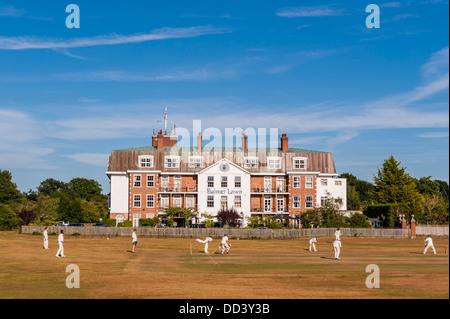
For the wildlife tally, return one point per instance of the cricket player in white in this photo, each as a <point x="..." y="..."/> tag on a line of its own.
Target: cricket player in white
<point x="312" y="243"/>
<point x="133" y="240"/>
<point x="429" y="244"/>
<point x="337" y="233"/>
<point x="60" y="252"/>
<point x="206" y="241"/>
<point x="45" y="235"/>
<point x="337" y="248"/>
<point x="225" y="244"/>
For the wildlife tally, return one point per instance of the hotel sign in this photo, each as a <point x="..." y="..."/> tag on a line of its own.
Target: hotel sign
<point x="212" y="191"/>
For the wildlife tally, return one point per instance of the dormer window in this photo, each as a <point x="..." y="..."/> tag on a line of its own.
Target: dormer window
<point x="274" y="162"/>
<point x="251" y="162"/>
<point x="195" y="161"/>
<point x="171" y="161"/>
<point x="146" y="161"/>
<point x="299" y="162"/>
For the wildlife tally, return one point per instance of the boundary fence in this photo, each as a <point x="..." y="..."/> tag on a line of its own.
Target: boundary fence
<point x="219" y="232"/>
<point x="432" y="230"/>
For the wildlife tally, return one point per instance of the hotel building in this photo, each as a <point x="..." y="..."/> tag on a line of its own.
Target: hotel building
<point x="282" y="182"/>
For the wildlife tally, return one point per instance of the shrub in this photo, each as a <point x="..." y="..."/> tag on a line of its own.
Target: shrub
<point x="148" y="221"/>
<point x="110" y="222"/>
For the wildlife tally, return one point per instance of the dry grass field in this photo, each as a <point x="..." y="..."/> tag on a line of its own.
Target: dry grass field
<point x="175" y="268"/>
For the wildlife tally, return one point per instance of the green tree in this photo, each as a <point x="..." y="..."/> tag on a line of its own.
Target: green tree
<point x="426" y="186"/>
<point x="358" y="220"/>
<point x="329" y="212"/>
<point x="70" y="209"/>
<point x="91" y="211"/>
<point x="394" y="185"/>
<point x="8" y="190"/>
<point x="358" y="191"/>
<point x="444" y="190"/>
<point x="26" y="210"/>
<point x="435" y="209"/>
<point x="84" y="188"/>
<point x="8" y="219"/>
<point x="208" y="220"/>
<point x="181" y="213"/>
<point x="254" y="222"/>
<point x="353" y="200"/>
<point x="47" y="210"/>
<point x="310" y="218"/>
<point x="50" y="186"/>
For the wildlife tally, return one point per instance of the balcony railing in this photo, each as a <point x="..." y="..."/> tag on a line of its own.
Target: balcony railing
<point x="272" y="209"/>
<point x="276" y="189"/>
<point x="177" y="189"/>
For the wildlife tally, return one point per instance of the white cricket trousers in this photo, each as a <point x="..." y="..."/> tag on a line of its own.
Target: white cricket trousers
<point x="313" y="246"/>
<point x="337" y="251"/>
<point x="225" y="246"/>
<point x="46" y="244"/>
<point x="206" y="244"/>
<point x="427" y="247"/>
<point x="60" y="250"/>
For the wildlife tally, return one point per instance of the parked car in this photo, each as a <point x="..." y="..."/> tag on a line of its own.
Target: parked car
<point x="62" y="223"/>
<point x="197" y="226"/>
<point x="101" y="225"/>
<point x="262" y="227"/>
<point x="76" y="224"/>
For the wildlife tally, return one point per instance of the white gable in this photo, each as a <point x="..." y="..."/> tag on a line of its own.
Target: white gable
<point x="224" y="166"/>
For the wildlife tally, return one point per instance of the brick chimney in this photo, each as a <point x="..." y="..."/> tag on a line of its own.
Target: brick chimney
<point x="244" y="142"/>
<point x="284" y="142"/>
<point x="160" y="140"/>
<point x="199" y="142"/>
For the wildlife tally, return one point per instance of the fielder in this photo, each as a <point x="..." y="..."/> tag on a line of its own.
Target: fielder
<point x="312" y="243"/>
<point x="429" y="244"/>
<point x="225" y="244"/>
<point x="60" y="252"/>
<point x="337" y="233"/>
<point x="337" y="248"/>
<point x="206" y="241"/>
<point x="45" y="236"/>
<point x="133" y="240"/>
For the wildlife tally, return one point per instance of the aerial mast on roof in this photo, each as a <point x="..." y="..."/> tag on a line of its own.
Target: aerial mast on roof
<point x="165" y="121"/>
<point x="279" y="140"/>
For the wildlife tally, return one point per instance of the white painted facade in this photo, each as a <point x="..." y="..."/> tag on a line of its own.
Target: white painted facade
<point x="329" y="186"/>
<point x="211" y="185"/>
<point x="119" y="193"/>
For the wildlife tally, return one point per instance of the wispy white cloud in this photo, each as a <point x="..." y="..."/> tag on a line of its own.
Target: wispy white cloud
<point x="20" y="141"/>
<point x="200" y="74"/>
<point x="316" y="11"/>
<point x="403" y="16"/>
<point x="90" y="158"/>
<point x="434" y="135"/>
<point x="29" y="42"/>
<point x="303" y="26"/>
<point x="10" y="11"/>
<point x="390" y="5"/>
<point x="437" y="64"/>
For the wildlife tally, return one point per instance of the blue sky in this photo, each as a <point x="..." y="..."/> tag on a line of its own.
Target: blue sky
<point x="70" y="96"/>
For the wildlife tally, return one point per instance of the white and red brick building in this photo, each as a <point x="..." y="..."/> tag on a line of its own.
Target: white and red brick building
<point x="286" y="181"/>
